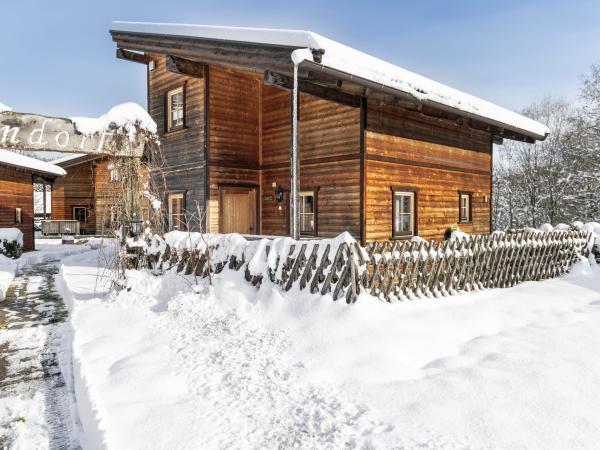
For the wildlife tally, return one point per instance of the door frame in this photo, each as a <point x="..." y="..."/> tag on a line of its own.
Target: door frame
<point x="241" y="187"/>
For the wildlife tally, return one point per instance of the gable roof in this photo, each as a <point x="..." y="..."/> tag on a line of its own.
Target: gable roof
<point x="13" y="159"/>
<point x="358" y="66"/>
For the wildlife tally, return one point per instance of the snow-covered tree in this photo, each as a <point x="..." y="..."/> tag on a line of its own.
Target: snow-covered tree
<point x="584" y="150"/>
<point x="556" y="180"/>
<point x="530" y="180"/>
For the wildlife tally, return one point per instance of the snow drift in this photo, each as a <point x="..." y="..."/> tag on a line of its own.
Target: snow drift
<point x="171" y="363"/>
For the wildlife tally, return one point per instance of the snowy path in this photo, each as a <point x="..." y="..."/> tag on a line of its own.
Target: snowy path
<point x="34" y="405"/>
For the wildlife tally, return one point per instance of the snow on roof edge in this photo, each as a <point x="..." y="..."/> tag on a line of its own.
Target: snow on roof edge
<point x="11" y="158"/>
<point x="340" y="57"/>
<point x="68" y="158"/>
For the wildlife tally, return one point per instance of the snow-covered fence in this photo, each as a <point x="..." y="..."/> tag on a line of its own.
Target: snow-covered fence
<point x="324" y="266"/>
<point x="392" y="270"/>
<point x="415" y="268"/>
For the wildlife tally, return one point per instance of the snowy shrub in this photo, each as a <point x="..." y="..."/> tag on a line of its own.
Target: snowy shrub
<point x="11" y="242"/>
<point x="451" y="229"/>
<point x="11" y="249"/>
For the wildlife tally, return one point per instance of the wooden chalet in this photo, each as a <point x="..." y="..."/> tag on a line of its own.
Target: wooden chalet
<point x="86" y="193"/>
<point x="17" y="176"/>
<point x="255" y="123"/>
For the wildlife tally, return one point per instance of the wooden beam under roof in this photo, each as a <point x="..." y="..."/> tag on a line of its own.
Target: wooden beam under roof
<point x="185" y="66"/>
<point x="133" y="56"/>
<point x="327" y="93"/>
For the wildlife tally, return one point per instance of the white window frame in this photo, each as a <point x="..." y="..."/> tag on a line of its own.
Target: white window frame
<point x="464" y="206"/>
<point x="395" y="232"/>
<point x="180" y="120"/>
<point x="170" y="198"/>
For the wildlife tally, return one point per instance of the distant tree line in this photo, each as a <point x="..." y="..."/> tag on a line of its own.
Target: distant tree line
<point x="556" y="180"/>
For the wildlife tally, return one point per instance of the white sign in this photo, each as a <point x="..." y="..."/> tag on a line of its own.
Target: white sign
<point x="32" y="132"/>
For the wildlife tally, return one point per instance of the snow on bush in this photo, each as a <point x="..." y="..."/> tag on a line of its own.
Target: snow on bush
<point x="11" y="234"/>
<point x="11" y="242"/>
<point x="155" y="202"/>
<point x="127" y="116"/>
<point x="457" y="234"/>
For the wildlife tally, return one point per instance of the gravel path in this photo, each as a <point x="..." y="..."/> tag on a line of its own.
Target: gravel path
<point x="34" y="402"/>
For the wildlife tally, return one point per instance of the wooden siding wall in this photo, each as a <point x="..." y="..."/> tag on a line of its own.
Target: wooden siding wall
<point x="16" y="191"/>
<point x="75" y="189"/>
<point x="234" y="134"/>
<point x="249" y="143"/>
<point x="437" y="158"/>
<point x="183" y="165"/>
<point x="329" y="143"/>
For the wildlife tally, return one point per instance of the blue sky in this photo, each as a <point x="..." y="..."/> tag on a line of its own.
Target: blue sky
<point x="58" y="58"/>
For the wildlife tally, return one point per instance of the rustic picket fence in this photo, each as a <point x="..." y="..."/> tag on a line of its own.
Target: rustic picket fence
<point x="392" y="270"/>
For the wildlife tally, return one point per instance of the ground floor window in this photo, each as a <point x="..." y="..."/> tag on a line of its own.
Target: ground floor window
<point x="18" y="216"/>
<point x="308" y="219"/>
<point x="80" y="213"/>
<point x="176" y="212"/>
<point x="403" y="212"/>
<point x="465" y="207"/>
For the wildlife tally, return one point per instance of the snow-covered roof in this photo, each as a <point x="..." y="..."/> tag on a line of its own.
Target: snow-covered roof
<point x="9" y="158"/>
<point x="359" y="65"/>
<point x="4" y="108"/>
<point x="69" y="158"/>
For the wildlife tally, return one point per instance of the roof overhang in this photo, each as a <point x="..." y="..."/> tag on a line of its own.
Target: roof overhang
<point x="35" y="166"/>
<point x="271" y="50"/>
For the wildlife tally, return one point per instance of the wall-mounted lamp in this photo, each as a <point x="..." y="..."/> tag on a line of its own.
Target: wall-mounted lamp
<point x="279" y="194"/>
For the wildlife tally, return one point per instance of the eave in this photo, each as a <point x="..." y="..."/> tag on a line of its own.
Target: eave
<point x="276" y="59"/>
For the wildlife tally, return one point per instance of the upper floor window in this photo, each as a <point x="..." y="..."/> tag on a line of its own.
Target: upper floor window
<point x="308" y="213"/>
<point x="175" y="109"/>
<point x="465" y="207"/>
<point x="403" y="211"/>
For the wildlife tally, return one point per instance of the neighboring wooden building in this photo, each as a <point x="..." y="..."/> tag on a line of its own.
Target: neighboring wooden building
<point x="17" y="174"/>
<point x="84" y="194"/>
<point x="88" y="193"/>
<point x="383" y="153"/>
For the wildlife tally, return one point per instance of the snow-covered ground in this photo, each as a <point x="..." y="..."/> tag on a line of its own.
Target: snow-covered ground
<point x="165" y="364"/>
<point x="45" y="248"/>
<point x="35" y="407"/>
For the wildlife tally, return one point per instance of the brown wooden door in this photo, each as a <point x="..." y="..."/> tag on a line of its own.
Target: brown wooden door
<point x="238" y="210"/>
